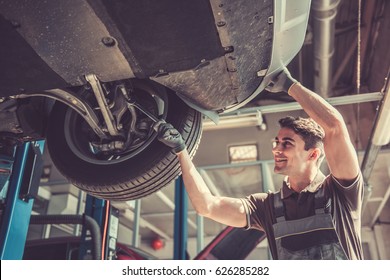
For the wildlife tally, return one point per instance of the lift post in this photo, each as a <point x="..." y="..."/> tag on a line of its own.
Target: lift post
<point x="21" y="168"/>
<point x="181" y="224"/>
<point x="109" y="224"/>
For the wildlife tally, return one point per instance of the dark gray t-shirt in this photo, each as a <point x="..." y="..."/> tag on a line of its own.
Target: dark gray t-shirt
<point x="346" y="203"/>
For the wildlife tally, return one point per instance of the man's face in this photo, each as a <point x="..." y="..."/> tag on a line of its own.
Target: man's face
<point x="289" y="153"/>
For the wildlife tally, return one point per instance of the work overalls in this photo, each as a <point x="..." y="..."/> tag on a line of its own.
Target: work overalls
<point x="310" y="238"/>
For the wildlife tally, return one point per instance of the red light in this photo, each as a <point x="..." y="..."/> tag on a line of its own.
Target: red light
<point x="157" y="244"/>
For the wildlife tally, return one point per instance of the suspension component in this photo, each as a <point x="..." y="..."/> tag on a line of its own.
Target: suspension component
<point x="132" y="103"/>
<point x="99" y="94"/>
<point x="79" y="105"/>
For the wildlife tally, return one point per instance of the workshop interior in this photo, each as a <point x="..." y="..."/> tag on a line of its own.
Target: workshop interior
<point x="82" y="83"/>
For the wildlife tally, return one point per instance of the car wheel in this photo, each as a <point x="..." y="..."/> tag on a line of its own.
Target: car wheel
<point x="144" y="167"/>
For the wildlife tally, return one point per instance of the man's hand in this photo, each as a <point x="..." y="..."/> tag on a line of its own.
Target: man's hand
<point x="168" y="135"/>
<point x="282" y="82"/>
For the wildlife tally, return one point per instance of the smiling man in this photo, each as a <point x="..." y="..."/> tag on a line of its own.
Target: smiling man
<point x="313" y="216"/>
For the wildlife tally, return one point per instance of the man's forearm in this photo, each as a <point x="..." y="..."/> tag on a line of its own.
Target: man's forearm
<point x="316" y="107"/>
<point x="225" y="210"/>
<point x="197" y="189"/>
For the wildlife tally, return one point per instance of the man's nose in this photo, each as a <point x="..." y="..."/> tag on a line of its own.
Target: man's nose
<point x="277" y="149"/>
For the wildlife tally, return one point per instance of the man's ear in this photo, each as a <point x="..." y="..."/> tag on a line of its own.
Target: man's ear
<point x="315" y="154"/>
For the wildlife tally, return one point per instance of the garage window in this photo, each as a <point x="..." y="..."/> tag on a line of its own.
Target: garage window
<point x="243" y="153"/>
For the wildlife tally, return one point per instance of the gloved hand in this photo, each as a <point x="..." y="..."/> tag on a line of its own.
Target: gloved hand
<point x="168" y="135"/>
<point x="282" y="82"/>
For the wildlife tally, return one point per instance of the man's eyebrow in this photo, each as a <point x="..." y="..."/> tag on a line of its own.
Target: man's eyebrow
<point x="288" y="138"/>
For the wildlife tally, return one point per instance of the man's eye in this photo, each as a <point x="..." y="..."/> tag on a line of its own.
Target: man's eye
<point x="286" y="144"/>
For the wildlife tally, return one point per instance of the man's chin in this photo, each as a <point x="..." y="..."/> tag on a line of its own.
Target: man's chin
<point x="279" y="170"/>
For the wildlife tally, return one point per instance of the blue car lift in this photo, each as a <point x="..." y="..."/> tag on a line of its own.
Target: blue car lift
<point x="180" y="232"/>
<point x="20" y="172"/>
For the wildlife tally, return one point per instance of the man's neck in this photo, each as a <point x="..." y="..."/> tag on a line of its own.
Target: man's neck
<point x="300" y="182"/>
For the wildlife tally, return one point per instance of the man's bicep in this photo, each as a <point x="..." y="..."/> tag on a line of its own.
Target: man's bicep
<point x="228" y="211"/>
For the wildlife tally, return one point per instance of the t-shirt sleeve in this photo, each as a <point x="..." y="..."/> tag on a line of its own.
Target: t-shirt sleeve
<point x="255" y="208"/>
<point x="352" y="192"/>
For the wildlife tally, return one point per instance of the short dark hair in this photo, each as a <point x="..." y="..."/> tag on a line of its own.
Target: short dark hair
<point x="310" y="131"/>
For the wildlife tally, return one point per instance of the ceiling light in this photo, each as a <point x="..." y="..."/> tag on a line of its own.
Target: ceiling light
<point x="236" y="121"/>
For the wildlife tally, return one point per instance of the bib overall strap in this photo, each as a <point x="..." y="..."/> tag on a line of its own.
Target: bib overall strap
<point x="278" y="207"/>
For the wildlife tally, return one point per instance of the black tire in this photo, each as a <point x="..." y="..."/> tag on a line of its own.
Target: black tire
<point x="133" y="178"/>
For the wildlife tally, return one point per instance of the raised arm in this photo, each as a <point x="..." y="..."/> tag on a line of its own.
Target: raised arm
<point x="225" y="210"/>
<point x="340" y="153"/>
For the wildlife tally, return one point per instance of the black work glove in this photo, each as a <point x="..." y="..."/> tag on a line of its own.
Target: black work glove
<point x="169" y="135"/>
<point x="282" y="82"/>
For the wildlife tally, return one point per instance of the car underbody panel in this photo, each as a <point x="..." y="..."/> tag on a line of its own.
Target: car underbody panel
<point x="92" y="77"/>
<point x="208" y="52"/>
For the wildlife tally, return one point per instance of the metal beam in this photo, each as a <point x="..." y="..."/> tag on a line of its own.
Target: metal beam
<point x="347" y="58"/>
<point x="129" y="215"/>
<point x="379" y="136"/>
<point x="380" y="207"/>
<point x="210" y="184"/>
<point x="268" y="182"/>
<point x="171" y="205"/>
<point x="79" y="211"/>
<point x="293" y="106"/>
<point x="231" y="165"/>
<point x="200" y="233"/>
<point x="163" y="214"/>
<point x="165" y="199"/>
<point x="137" y="217"/>
<point x="245" y="116"/>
